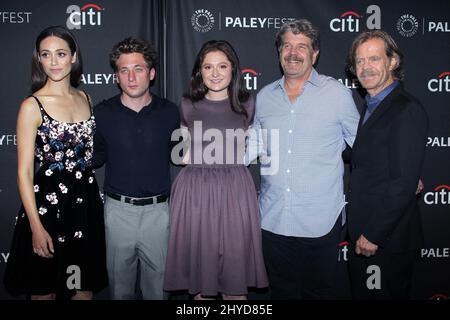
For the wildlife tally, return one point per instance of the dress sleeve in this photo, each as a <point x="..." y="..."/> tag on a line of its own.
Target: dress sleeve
<point x="185" y="106"/>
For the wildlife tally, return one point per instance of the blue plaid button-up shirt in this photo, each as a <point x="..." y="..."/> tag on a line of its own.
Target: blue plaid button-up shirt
<point x="304" y="195"/>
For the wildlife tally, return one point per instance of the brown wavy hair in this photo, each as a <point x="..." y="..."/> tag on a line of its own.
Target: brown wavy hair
<point x="391" y="49"/>
<point x="236" y="91"/>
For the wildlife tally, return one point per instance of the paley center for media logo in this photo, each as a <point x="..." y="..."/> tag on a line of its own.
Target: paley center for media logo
<point x="15" y="17"/>
<point x="8" y="140"/>
<point x="98" y="78"/>
<point x="350" y="83"/>
<point x="440" y="195"/>
<point x="4" y="257"/>
<point x="350" y="21"/>
<point x="408" y="25"/>
<point x="88" y="15"/>
<point x="203" y="20"/>
<point x="435" y="253"/>
<point x="441" y="83"/>
<point x="438" y="142"/>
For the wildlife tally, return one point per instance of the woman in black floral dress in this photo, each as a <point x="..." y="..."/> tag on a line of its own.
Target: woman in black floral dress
<point x="58" y="248"/>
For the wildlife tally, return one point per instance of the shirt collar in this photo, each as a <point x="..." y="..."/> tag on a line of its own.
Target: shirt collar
<point x="313" y="79"/>
<point x="373" y="102"/>
<point x="155" y="99"/>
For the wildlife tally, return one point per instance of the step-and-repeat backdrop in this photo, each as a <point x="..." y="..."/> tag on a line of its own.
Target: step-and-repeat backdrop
<point x="178" y="28"/>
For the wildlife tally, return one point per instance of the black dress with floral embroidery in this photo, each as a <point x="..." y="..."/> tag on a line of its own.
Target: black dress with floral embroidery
<point x="71" y="211"/>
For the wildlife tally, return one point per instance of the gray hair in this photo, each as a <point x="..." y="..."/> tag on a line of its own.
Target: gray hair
<point x="302" y="26"/>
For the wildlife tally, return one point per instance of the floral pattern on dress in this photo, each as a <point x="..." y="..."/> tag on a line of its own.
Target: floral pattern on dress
<point x="64" y="154"/>
<point x="52" y="198"/>
<point x="65" y="146"/>
<point x="63" y="188"/>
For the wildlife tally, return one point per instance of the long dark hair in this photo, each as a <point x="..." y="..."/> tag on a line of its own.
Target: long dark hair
<point x="38" y="76"/>
<point x="236" y="90"/>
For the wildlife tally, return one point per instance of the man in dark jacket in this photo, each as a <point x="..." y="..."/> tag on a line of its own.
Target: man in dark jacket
<point x="383" y="216"/>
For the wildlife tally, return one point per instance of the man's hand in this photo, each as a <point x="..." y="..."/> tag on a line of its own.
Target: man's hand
<point x="365" y="247"/>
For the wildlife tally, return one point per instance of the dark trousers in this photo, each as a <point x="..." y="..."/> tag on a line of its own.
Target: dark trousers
<point x="394" y="269"/>
<point x="302" y="268"/>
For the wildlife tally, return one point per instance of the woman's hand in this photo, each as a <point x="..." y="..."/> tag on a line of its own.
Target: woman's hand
<point x="42" y="243"/>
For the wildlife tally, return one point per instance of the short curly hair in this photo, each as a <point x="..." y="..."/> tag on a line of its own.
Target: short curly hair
<point x="133" y="45"/>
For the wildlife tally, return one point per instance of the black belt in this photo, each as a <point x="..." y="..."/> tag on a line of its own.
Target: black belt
<point x="137" y="201"/>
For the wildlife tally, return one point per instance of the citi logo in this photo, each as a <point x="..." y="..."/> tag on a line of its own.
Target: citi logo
<point x="441" y="195"/>
<point x="343" y="249"/>
<point x="439" y="296"/>
<point x="441" y="83"/>
<point x="8" y="140"/>
<point x="350" y="21"/>
<point x="250" y="78"/>
<point x="90" y="14"/>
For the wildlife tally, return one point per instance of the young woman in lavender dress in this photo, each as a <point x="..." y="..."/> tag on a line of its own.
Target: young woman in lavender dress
<point x="215" y="235"/>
